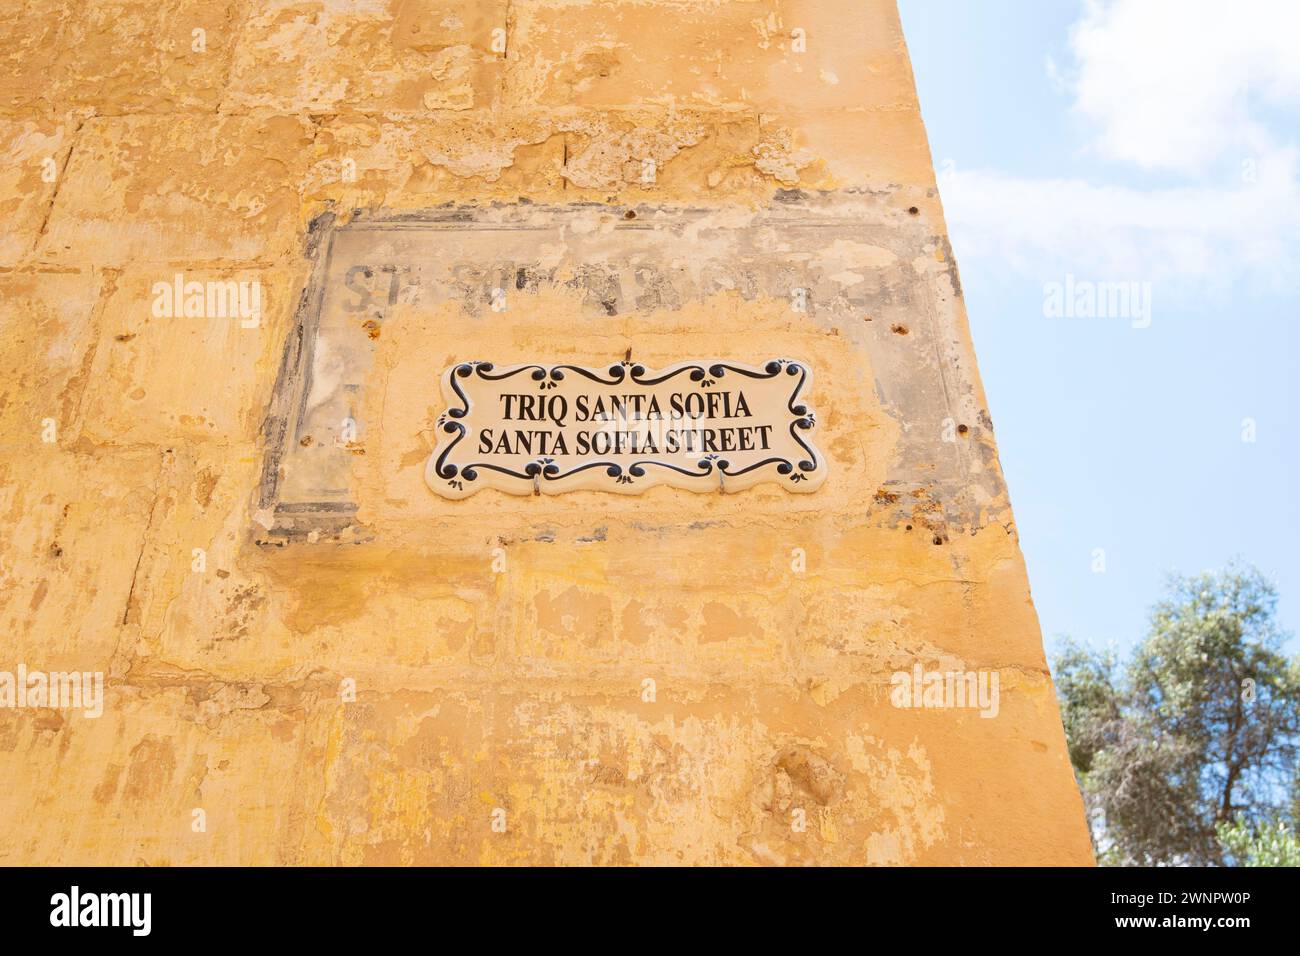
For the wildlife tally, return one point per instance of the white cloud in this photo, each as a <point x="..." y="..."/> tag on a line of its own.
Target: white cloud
<point x="1204" y="235"/>
<point x="1190" y="88"/>
<point x="1172" y="84"/>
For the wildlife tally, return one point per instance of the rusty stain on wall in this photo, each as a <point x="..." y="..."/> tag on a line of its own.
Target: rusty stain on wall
<point x="670" y="678"/>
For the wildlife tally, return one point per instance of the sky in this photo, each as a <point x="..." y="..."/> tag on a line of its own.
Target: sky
<point x="1148" y="152"/>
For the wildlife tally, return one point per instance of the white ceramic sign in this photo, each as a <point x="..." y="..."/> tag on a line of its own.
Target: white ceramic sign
<point x="700" y="426"/>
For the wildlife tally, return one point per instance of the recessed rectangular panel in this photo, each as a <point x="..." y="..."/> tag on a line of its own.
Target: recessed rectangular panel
<point x="822" y="260"/>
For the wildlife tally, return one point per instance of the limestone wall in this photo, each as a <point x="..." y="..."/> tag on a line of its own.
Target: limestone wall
<point x="586" y="678"/>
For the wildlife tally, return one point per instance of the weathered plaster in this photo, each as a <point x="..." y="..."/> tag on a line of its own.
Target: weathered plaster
<point x="518" y="688"/>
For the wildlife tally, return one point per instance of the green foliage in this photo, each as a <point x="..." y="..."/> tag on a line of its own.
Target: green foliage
<point x="1266" y="844"/>
<point x="1193" y="742"/>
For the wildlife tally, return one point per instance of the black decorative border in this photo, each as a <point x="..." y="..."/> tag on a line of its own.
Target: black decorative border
<point x="547" y="377"/>
<point x="296" y="518"/>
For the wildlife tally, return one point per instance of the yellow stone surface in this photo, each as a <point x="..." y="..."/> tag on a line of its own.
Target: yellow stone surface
<point x="465" y="682"/>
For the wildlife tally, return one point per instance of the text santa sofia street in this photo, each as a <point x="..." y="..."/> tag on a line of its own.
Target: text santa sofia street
<point x="633" y="424"/>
